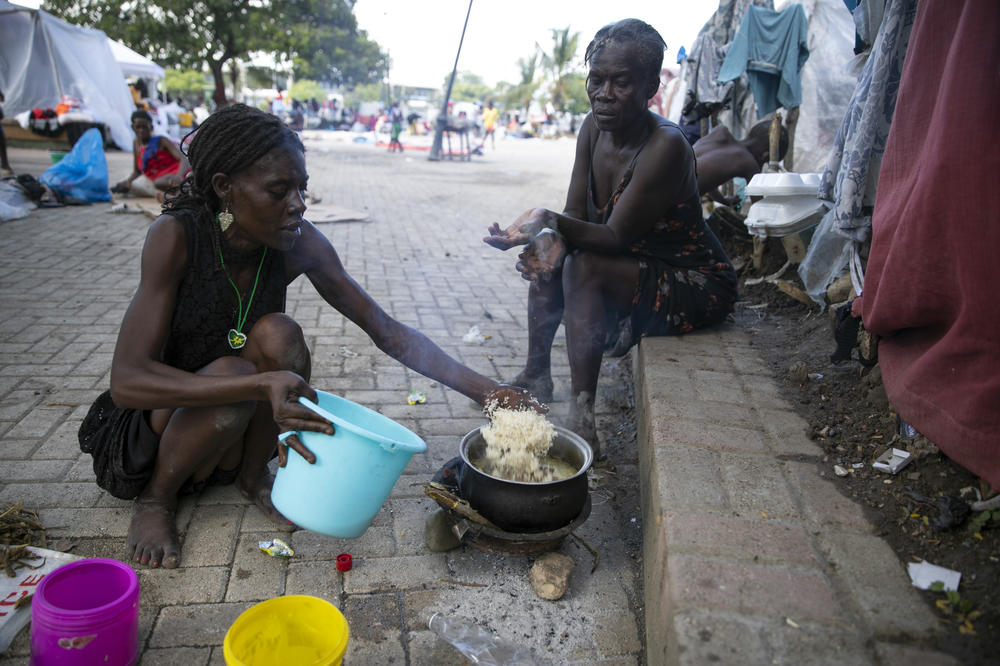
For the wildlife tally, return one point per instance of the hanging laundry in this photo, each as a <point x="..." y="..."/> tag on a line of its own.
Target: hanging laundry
<point x="726" y="20"/>
<point x="701" y="94"/>
<point x="850" y="179"/>
<point x="771" y="48"/>
<point x="705" y="94"/>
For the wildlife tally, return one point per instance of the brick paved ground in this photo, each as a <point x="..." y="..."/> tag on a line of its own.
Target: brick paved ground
<point x="749" y="555"/>
<point x="65" y="280"/>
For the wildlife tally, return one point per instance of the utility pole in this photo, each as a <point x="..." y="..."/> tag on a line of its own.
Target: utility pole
<point x="435" y="154"/>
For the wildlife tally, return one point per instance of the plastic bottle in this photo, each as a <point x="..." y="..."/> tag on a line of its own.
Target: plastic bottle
<point x="479" y="645"/>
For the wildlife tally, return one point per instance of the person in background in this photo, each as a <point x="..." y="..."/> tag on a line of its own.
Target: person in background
<point x="207" y="369"/>
<point x="490" y="116"/>
<point x="297" y="119"/>
<point x="720" y="157"/>
<point x="158" y="164"/>
<point x="136" y="97"/>
<point x="630" y="254"/>
<point x="185" y="121"/>
<point x="396" y="118"/>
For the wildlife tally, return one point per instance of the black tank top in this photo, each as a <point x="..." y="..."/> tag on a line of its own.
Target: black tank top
<point x="680" y="235"/>
<point x="206" y="306"/>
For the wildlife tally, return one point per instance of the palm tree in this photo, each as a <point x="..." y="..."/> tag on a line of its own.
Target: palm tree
<point x="519" y="96"/>
<point x="557" y="64"/>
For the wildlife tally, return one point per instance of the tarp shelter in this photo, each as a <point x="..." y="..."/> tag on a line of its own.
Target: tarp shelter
<point x="134" y="64"/>
<point x="43" y="58"/>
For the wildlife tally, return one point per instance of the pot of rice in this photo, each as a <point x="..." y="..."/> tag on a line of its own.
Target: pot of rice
<point x="523" y="473"/>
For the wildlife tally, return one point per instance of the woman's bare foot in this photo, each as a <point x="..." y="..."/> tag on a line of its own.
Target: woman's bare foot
<point x="259" y="492"/>
<point x="581" y="421"/>
<point x="539" y="387"/>
<point x="152" y="535"/>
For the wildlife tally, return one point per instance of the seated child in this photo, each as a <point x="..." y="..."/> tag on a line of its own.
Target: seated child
<point x="158" y="164"/>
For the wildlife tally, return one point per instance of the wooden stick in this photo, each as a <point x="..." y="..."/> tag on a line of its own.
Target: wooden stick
<point x="774" y="141"/>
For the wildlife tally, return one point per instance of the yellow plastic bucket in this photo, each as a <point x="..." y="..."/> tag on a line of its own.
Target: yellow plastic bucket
<point x="295" y="629"/>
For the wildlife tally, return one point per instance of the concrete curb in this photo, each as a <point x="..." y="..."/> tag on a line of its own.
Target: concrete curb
<point x="750" y="556"/>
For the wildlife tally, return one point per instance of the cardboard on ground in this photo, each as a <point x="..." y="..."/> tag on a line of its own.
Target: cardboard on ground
<point x="24" y="584"/>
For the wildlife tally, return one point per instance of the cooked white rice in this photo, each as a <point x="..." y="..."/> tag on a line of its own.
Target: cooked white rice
<point x="516" y="442"/>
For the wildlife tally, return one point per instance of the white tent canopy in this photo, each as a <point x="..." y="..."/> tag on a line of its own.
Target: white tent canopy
<point x="43" y="58"/>
<point x="134" y="64"/>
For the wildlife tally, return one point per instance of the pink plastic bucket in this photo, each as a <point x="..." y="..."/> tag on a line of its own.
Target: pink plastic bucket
<point x="86" y="612"/>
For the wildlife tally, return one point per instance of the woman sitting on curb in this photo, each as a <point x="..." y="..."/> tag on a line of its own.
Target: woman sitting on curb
<point x="630" y="254"/>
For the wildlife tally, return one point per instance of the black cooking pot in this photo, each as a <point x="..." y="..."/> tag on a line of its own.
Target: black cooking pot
<point x="517" y="506"/>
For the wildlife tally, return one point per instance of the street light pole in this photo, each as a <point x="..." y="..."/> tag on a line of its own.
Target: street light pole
<point x="442" y="118"/>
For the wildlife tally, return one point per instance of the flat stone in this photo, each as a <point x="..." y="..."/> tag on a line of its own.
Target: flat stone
<point x="550" y="575"/>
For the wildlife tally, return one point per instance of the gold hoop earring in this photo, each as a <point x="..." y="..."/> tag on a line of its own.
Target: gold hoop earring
<point x="225" y="219"/>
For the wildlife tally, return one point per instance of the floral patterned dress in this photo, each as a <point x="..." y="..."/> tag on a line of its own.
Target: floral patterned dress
<point x="686" y="281"/>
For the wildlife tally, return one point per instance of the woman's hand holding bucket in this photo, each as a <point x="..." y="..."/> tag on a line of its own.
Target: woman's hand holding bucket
<point x="284" y="389"/>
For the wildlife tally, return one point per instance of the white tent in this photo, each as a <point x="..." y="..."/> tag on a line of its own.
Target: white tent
<point x="43" y="58"/>
<point x="134" y="64"/>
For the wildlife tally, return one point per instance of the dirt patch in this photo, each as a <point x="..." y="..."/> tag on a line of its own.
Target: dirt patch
<point x="918" y="511"/>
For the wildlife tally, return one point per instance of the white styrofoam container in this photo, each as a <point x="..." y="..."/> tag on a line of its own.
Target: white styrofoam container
<point x="783" y="184"/>
<point x="789" y="204"/>
<point x="773" y="218"/>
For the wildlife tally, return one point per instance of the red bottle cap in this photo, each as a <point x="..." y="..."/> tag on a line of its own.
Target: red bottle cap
<point x="344" y="562"/>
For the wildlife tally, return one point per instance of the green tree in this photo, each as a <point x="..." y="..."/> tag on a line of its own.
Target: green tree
<point x="305" y="90"/>
<point x="186" y="83"/>
<point x="558" y="65"/>
<point x="259" y="77"/>
<point x="468" y="87"/>
<point x="323" y="43"/>
<point x="576" y="91"/>
<point x="316" y="35"/>
<point x="366" y="92"/>
<point x="519" y="96"/>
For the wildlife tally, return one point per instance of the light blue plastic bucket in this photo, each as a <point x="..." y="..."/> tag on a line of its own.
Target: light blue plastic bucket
<point x="354" y="472"/>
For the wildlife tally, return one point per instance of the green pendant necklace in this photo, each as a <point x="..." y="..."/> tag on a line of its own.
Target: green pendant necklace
<point x="236" y="337"/>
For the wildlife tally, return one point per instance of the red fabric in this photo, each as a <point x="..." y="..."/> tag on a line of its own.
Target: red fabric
<point x="160" y="164"/>
<point x="931" y="284"/>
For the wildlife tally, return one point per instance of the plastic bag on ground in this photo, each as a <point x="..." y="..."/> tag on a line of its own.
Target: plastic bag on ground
<point x="479" y="645"/>
<point x="83" y="173"/>
<point x="14" y="203"/>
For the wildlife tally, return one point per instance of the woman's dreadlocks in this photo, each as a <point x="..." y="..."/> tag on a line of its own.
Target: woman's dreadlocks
<point x="229" y="141"/>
